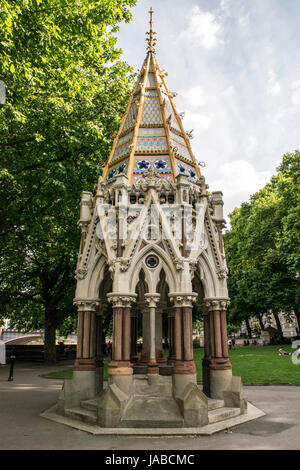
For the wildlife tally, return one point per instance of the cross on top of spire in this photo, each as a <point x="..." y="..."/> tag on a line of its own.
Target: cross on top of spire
<point x="151" y="40"/>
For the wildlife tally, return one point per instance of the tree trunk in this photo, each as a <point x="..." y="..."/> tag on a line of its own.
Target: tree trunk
<point x="248" y="328"/>
<point x="278" y="324"/>
<point x="261" y="323"/>
<point x="297" y="315"/>
<point x="50" y="337"/>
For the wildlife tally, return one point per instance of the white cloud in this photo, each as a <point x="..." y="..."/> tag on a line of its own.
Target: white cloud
<point x="238" y="180"/>
<point x="273" y="86"/>
<point x="296" y="92"/>
<point x="195" y="96"/>
<point x="198" y="121"/>
<point x="203" y="29"/>
<point x="236" y="68"/>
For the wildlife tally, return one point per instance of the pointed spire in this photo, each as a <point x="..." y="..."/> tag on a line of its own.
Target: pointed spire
<point x="151" y="40"/>
<point x="151" y="136"/>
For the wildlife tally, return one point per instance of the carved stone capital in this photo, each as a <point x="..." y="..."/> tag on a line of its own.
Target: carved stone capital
<point x="124" y="264"/>
<point x="222" y="273"/>
<point x="152" y="299"/>
<point x="80" y="273"/>
<point x="182" y="299"/>
<point x="86" y="305"/>
<point x="119" y="299"/>
<point x="216" y="304"/>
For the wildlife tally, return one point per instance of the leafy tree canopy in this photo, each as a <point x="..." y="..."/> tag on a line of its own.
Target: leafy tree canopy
<point x="263" y="247"/>
<point x="66" y="90"/>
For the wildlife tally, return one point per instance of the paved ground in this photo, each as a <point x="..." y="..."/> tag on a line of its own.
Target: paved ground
<point x="28" y="395"/>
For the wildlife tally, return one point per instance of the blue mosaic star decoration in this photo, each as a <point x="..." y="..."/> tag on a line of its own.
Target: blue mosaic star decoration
<point x="160" y="164"/>
<point x="143" y="165"/>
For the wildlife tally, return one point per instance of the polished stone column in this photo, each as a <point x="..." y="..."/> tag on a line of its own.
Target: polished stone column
<point x="152" y="300"/>
<point x="121" y="344"/>
<point x="158" y="336"/>
<point x="133" y="348"/>
<point x="146" y="335"/>
<point x="171" y="320"/>
<point x="207" y="352"/>
<point x="183" y="334"/>
<point x="217" y="374"/>
<point x="86" y="335"/>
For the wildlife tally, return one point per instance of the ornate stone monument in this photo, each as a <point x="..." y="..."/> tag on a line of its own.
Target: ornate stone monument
<point x="151" y="246"/>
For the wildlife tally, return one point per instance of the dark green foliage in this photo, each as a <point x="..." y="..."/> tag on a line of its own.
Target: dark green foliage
<point x="66" y="93"/>
<point x="263" y="248"/>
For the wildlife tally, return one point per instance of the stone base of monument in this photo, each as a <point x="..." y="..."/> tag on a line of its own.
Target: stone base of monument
<point x="152" y="410"/>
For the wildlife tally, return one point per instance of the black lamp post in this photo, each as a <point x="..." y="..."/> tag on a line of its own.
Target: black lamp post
<point x="11" y="370"/>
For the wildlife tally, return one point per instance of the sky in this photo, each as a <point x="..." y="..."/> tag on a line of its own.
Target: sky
<point x="235" y="65"/>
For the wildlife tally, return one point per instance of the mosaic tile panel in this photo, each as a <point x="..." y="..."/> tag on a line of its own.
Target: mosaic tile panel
<point x="148" y="144"/>
<point x="151" y="67"/>
<point x="161" y="165"/>
<point x="123" y="146"/>
<point x="150" y="81"/>
<point x="184" y="169"/>
<point x="169" y="112"/>
<point x="155" y="131"/>
<point x="180" y="146"/>
<point x="131" y="114"/>
<point x="151" y="112"/>
<point x="151" y="93"/>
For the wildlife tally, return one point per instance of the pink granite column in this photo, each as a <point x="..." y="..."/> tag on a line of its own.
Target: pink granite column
<point x="121" y="344"/>
<point x="86" y="335"/>
<point x="183" y="334"/>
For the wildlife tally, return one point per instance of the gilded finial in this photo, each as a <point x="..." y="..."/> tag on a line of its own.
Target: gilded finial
<point x="151" y="40"/>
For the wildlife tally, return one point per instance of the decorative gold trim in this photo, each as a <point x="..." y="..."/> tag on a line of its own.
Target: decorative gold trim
<point x="119" y="160"/>
<point x="105" y="171"/>
<point x="138" y="120"/>
<point x="162" y="111"/>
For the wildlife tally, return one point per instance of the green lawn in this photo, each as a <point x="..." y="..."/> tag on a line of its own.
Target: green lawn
<point x="256" y="365"/>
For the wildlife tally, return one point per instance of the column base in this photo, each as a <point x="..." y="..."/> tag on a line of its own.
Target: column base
<point x="184" y="367"/>
<point x="153" y="367"/>
<point x="85" y="364"/>
<point x="120" y="368"/>
<point x="145" y="356"/>
<point x="220" y="363"/>
<point x="134" y="359"/>
<point x="220" y="382"/>
<point x="181" y="381"/>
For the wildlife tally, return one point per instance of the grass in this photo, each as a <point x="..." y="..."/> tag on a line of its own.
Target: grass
<point x="259" y="365"/>
<point x="256" y="365"/>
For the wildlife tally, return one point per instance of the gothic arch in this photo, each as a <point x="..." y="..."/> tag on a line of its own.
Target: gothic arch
<point x="207" y="276"/>
<point x="95" y="276"/>
<point x="152" y="277"/>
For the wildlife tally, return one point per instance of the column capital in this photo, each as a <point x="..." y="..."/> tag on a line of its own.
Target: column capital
<point x="183" y="299"/>
<point x="152" y="299"/>
<point x="86" y="305"/>
<point x="216" y="304"/>
<point x="119" y="299"/>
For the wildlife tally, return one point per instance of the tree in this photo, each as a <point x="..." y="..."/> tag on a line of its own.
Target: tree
<point x="262" y="249"/>
<point x="66" y="92"/>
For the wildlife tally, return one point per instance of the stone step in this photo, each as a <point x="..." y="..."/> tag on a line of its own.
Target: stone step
<point x="152" y="412"/>
<point x="87" y="416"/>
<point x="91" y="405"/>
<point x="221" y="414"/>
<point x="214" y="404"/>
